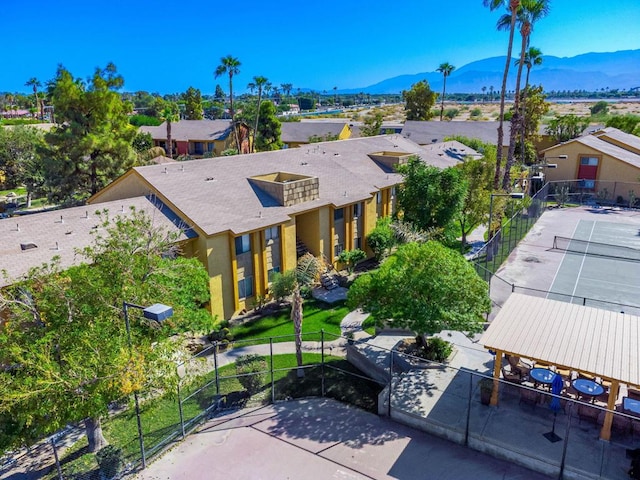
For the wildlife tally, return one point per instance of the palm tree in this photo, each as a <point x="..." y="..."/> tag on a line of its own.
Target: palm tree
<point x="335" y="96"/>
<point x="484" y="93"/>
<point x="529" y="12"/>
<point x="259" y="83"/>
<point x="35" y="83"/>
<point x="532" y="58"/>
<point x="445" y="69"/>
<point x="230" y="66"/>
<point x="513" y="6"/>
<point x="286" y="88"/>
<point x="169" y="114"/>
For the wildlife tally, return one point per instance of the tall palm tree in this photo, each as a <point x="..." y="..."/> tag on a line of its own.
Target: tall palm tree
<point x="169" y="114"/>
<point x="529" y="12"/>
<point x="445" y="69"/>
<point x="258" y="83"/>
<point x="230" y="66"/>
<point x="35" y="83"/>
<point x="307" y="270"/>
<point x="532" y="58"/>
<point x="286" y="88"/>
<point x="513" y="6"/>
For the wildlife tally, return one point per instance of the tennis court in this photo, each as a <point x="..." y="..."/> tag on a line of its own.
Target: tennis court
<point x="601" y="262"/>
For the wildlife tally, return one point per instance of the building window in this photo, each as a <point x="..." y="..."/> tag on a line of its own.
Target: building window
<point x="338" y="214"/>
<point x="590" y="161"/>
<point x="357" y="243"/>
<point x="337" y="250"/>
<point x="271" y="272"/>
<point x="198" y="148"/>
<point x="210" y="146"/>
<point x="271" y="233"/>
<point x="243" y="244"/>
<point x="393" y="192"/>
<point x="357" y="210"/>
<point x="245" y="287"/>
<point x="379" y="197"/>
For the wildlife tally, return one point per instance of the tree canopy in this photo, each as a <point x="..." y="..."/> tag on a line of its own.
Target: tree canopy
<point x="430" y="198"/>
<point x="426" y="288"/>
<point x="193" y="104"/>
<point x="20" y="158"/>
<point x="90" y="145"/>
<point x="566" y="127"/>
<point x="419" y="101"/>
<point x="64" y="352"/>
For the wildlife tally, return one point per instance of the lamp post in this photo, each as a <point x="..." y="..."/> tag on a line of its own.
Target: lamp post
<point x="158" y="313"/>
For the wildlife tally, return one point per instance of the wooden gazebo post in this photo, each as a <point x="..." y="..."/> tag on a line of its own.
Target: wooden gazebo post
<point x="497" y="367"/>
<point x="605" y="432"/>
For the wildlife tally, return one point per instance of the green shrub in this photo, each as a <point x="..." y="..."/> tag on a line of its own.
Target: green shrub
<point x="476" y="112"/>
<point x="351" y="258"/>
<point x="438" y="349"/>
<point x="140" y="120"/>
<point x="251" y="369"/>
<point x="600" y="108"/>
<point x="110" y="460"/>
<point x="451" y="113"/>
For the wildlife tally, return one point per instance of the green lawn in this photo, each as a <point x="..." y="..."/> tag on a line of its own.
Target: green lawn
<point x="317" y="316"/>
<point x="160" y="417"/>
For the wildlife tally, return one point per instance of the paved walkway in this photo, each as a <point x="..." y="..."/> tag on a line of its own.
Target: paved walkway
<point x="319" y="439"/>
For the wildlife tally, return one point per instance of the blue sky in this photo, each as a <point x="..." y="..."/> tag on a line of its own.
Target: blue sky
<point x="166" y="46"/>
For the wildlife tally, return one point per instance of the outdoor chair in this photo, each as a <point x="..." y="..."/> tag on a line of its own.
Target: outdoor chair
<point x="510" y="375"/>
<point x="633" y="393"/>
<point x="518" y="365"/>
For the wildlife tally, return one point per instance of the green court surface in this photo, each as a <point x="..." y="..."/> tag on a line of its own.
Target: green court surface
<point x="604" y="273"/>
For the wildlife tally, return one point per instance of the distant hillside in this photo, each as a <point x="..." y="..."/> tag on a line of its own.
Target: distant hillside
<point x="589" y="71"/>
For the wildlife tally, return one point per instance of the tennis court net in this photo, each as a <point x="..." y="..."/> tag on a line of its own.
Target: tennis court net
<point x="587" y="247"/>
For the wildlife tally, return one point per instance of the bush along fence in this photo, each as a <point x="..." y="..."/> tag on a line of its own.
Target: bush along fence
<point x="224" y="375"/>
<point x="595" y="192"/>
<point x="489" y="258"/>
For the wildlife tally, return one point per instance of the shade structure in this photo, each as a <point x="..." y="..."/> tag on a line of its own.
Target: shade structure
<point x="599" y="342"/>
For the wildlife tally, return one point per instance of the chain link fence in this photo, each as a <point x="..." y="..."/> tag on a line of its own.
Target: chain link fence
<point x="437" y="398"/>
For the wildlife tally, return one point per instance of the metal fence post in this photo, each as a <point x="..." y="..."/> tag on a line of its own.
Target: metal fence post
<point x="466" y="431"/>
<point x="390" y="382"/>
<point x="322" y="358"/>
<point x="55" y="455"/>
<point x="273" y="385"/>
<point x="215" y="366"/>
<point x="180" y="411"/>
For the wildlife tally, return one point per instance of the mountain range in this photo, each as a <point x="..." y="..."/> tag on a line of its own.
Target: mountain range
<point x="589" y="71"/>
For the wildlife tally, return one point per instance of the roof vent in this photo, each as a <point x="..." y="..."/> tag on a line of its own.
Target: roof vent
<point x="434" y="140"/>
<point x="210" y="179"/>
<point x="28" y="246"/>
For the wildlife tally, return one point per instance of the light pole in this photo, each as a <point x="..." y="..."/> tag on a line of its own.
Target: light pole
<point x="158" y="313"/>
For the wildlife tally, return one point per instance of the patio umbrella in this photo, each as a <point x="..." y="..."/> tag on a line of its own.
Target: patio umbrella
<point x="556" y="388"/>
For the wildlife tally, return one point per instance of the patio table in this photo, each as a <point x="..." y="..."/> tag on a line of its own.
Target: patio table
<point x="631" y="406"/>
<point x="542" y="375"/>
<point x="588" y="388"/>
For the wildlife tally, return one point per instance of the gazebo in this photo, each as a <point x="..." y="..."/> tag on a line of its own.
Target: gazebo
<point x="598" y="342"/>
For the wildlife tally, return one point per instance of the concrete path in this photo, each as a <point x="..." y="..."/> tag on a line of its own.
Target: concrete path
<point x="318" y="439"/>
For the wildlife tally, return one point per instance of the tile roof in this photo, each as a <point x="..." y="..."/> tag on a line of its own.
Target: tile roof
<point x="216" y="194"/>
<point x="300" y="132"/>
<point x="61" y="232"/>
<point x="190" y="130"/>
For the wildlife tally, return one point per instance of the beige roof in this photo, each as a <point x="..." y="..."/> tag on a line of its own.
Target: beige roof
<point x="216" y="194"/>
<point x="300" y="132"/>
<point x="610" y="149"/>
<point x="587" y="339"/>
<point x="191" y="130"/>
<point x="61" y="232"/>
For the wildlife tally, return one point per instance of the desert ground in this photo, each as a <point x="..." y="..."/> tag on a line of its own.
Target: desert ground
<point x="490" y="110"/>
